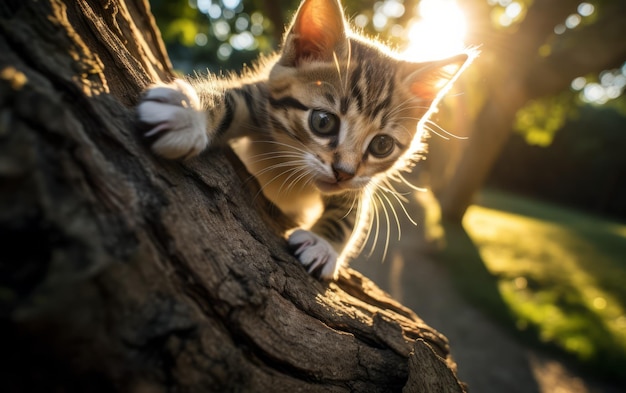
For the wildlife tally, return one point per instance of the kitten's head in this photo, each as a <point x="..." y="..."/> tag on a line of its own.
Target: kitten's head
<point x="344" y="104"/>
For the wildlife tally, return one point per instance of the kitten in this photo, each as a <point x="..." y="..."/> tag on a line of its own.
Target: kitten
<point x="323" y="122"/>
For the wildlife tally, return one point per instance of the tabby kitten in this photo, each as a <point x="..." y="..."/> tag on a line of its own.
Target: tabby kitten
<point x="320" y="125"/>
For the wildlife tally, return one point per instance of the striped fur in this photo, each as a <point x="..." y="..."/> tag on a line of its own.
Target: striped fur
<point x="325" y="76"/>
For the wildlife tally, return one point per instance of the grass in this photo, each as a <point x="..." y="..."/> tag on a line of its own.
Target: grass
<point x="556" y="275"/>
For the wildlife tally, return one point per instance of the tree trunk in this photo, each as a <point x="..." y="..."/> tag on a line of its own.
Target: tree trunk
<point x="124" y="272"/>
<point x="512" y="71"/>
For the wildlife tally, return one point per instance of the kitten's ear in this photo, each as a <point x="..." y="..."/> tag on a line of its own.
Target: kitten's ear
<point x="428" y="81"/>
<point x="317" y="31"/>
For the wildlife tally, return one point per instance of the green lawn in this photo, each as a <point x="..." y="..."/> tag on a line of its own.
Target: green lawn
<point x="555" y="274"/>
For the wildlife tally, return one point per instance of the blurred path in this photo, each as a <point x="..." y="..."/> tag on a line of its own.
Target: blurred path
<point x="490" y="360"/>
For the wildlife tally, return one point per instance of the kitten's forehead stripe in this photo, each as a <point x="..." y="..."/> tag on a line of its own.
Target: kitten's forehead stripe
<point x="287" y="102"/>
<point x="383" y="105"/>
<point x="343" y="108"/>
<point x="356" y="91"/>
<point x="372" y="84"/>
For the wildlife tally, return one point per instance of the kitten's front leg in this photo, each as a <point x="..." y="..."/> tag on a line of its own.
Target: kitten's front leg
<point x="323" y="249"/>
<point x="176" y="124"/>
<point x="315" y="253"/>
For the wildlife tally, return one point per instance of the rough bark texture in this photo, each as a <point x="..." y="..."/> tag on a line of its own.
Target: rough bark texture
<point x="124" y="272"/>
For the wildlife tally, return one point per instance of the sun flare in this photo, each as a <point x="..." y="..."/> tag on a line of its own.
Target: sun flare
<point x="439" y="31"/>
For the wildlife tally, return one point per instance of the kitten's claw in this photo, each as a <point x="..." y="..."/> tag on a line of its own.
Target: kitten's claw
<point x="175" y="125"/>
<point x="315" y="253"/>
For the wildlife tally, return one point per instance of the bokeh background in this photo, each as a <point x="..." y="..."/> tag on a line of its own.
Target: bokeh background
<point x="519" y="252"/>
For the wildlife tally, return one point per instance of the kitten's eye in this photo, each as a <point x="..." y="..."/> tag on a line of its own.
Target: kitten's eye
<point x="381" y="146"/>
<point x="323" y="123"/>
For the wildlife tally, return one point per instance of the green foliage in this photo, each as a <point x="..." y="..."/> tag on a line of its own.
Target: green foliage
<point x="539" y="120"/>
<point x="584" y="166"/>
<point x="179" y="23"/>
<point x="216" y="35"/>
<point x="559" y="273"/>
<point x="226" y="34"/>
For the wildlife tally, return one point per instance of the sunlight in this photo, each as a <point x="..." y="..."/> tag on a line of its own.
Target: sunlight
<point x="439" y="32"/>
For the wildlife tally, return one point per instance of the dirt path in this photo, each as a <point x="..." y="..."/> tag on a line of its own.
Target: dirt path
<point x="489" y="359"/>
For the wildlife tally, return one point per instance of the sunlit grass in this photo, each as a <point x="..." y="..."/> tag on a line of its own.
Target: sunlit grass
<point x="561" y="274"/>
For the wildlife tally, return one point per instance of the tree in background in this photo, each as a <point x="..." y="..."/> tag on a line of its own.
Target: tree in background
<point x="530" y="50"/>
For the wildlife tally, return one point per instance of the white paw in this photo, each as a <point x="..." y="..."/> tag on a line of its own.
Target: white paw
<point x="172" y="115"/>
<point x="315" y="253"/>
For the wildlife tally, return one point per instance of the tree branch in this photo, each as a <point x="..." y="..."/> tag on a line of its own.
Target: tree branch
<point x="586" y="49"/>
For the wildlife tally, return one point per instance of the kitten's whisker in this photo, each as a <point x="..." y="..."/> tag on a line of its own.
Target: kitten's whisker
<point x="292" y="168"/>
<point x="273" y="153"/>
<point x="386" y="214"/>
<point x="270" y="182"/>
<point x="430" y="123"/>
<point x="366" y="213"/>
<point x="294" y="164"/>
<point x="393" y="211"/>
<point x="355" y="197"/>
<point x="362" y="213"/>
<point x="377" y="219"/>
<point x="430" y="130"/>
<point x="307" y="181"/>
<point x="289" y="146"/>
<point x="389" y="188"/>
<point x="408" y="183"/>
<point x="303" y="174"/>
<point x="292" y="172"/>
<point x="408" y="106"/>
<point x="407" y="215"/>
<point x="345" y="86"/>
<point x="402" y="200"/>
<point x="413" y="134"/>
<point x="300" y="160"/>
<point x="275" y="156"/>
<point x="338" y="67"/>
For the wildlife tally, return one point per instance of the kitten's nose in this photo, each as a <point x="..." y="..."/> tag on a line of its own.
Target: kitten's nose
<point x="342" y="174"/>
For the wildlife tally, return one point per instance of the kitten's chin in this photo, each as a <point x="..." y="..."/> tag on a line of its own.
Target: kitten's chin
<point x="335" y="188"/>
<point x="328" y="188"/>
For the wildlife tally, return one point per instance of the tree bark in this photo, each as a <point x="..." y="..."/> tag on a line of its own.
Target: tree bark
<point x="124" y="272"/>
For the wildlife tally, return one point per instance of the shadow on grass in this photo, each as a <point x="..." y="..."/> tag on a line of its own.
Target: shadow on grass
<point x="470" y="274"/>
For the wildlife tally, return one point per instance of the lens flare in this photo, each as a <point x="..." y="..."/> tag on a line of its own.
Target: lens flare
<point x="439" y="32"/>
